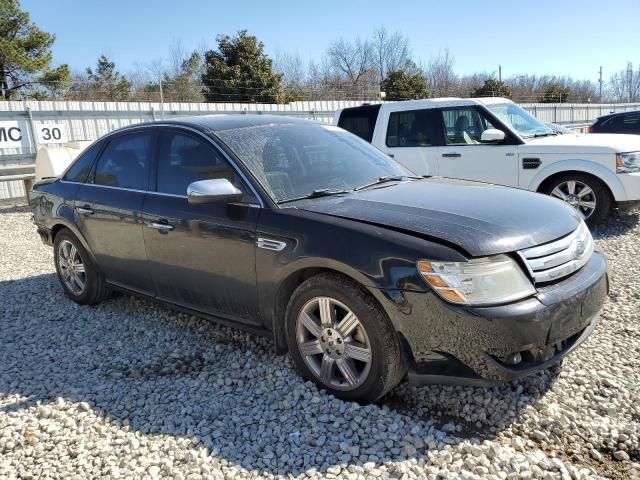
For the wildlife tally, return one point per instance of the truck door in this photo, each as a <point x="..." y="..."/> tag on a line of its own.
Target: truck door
<point x="463" y="155"/>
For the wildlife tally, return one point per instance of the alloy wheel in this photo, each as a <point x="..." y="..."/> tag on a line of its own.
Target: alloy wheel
<point x="577" y="194"/>
<point x="333" y="343"/>
<point x="72" y="268"/>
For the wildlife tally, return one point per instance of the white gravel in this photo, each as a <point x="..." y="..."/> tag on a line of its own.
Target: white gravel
<point x="130" y="389"/>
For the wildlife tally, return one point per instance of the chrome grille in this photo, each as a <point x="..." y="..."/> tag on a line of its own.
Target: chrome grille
<point x="555" y="260"/>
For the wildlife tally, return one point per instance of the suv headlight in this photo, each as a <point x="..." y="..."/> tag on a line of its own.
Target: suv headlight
<point x="481" y="281"/>
<point x="628" y="162"/>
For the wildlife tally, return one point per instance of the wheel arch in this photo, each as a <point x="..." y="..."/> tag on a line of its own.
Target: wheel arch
<point x="292" y="280"/>
<point x="60" y="225"/>
<point x="596" y="170"/>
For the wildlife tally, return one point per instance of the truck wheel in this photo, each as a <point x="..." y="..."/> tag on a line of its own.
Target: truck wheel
<point x="78" y="275"/>
<point x="341" y="340"/>
<point x="588" y="195"/>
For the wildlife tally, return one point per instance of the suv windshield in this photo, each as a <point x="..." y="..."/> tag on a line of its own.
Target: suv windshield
<point x="519" y="120"/>
<point x="294" y="160"/>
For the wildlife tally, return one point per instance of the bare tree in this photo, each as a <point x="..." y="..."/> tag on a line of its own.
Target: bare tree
<point x="390" y="51"/>
<point x="353" y="60"/>
<point x="624" y="86"/>
<point x="291" y="66"/>
<point x="441" y="79"/>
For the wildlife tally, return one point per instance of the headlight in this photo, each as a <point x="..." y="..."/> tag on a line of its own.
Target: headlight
<point x="628" y="162"/>
<point x="481" y="281"/>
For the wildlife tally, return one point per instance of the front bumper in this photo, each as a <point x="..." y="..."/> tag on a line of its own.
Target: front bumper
<point x="628" y="205"/>
<point x="631" y="184"/>
<point x="448" y="344"/>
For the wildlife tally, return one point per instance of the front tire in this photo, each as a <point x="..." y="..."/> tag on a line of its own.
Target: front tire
<point x="585" y="193"/>
<point x="78" y="275"/>
<point x="340" y="339"/>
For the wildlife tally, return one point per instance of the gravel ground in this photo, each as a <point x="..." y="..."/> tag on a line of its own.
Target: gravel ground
<point x="131" y="389"/>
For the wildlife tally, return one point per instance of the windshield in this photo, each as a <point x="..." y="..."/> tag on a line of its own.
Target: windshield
<point x="293" y="160"/>
<point x="519" y="120"/>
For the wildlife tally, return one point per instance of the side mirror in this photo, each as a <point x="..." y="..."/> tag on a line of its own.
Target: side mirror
<point x="492" y="135"/>
<point x="213" y="190"/>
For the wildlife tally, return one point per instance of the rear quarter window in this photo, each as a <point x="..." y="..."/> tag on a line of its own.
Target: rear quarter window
<point x="80" y="168"/>
<point x="360" y="121"/>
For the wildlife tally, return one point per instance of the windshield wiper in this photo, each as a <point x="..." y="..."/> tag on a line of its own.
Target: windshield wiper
<point x="538" y="135"/>
<point x="385" y="179"/>
<point x="322" y="192"/>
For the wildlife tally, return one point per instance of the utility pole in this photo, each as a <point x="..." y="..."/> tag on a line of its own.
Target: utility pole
<point x="499" y="73"/>
<point x="630" y="80"/>
<point x="600" y="82"/>
<point x="161" y="97"/>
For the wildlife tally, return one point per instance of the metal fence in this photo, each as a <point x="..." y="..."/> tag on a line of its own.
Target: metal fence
<point x="575" y="112"/>
<point x="90" y="120"/>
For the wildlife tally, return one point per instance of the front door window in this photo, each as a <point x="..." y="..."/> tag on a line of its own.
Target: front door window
<point x="464" y="126"/>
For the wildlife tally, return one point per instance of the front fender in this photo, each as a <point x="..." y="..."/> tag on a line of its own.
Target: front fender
<point x="579" y="165"/>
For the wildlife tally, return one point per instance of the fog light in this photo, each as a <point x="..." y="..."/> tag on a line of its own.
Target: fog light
<point x="514" y="358"/>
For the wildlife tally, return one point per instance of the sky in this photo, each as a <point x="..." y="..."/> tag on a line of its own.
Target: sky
<point x="566" y="37"/>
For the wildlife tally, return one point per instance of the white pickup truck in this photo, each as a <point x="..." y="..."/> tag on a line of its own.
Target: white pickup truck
<point x="494" y="140"/>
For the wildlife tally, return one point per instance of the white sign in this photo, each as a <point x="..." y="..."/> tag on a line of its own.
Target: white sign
<point x="10" y="135"/>
<point x="51" y="133"/>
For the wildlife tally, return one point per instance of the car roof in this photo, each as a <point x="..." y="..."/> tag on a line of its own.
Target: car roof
<point x="219" y="122"/>
<point x="437" y="103"/>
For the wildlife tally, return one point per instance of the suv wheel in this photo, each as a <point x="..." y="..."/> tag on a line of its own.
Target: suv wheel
<point x="340" y="339"/>
<point x="583" y="192"/>
<point x="78" y="276"/>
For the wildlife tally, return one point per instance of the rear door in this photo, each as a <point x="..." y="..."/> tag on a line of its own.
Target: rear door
<point x="410" y="137"/>
<point x="200" y="256"/>
<point x="109" y="206"/>
<point x="462" y="155"/>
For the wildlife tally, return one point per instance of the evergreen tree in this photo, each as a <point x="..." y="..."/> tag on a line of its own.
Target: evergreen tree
<point x="240" y="71"/>
<point x="25" y="57"/>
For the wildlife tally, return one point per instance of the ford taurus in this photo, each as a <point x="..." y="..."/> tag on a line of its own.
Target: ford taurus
<point x="307" y="234"/>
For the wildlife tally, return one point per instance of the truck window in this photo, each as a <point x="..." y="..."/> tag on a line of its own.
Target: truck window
<point x="360" y="121"/>
<point x="463" y="126"/>
<point x="409" y="129"/>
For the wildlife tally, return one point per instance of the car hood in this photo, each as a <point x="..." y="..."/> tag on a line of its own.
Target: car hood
<point x="480" y="218"/>
<point x="583" y="143"/>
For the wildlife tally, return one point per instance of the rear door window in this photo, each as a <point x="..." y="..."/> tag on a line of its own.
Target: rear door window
<point x="412" y="128"/>
<point x="631" y="123"/>
<point x="125" y="162"/>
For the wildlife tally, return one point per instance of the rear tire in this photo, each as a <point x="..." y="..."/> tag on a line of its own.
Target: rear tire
<point x="584" y="192"/>
<point x="341" y="339"/>
<point x="80" y="279"/>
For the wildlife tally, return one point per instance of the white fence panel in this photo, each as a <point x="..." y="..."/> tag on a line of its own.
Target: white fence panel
<point x="91" y="120"/>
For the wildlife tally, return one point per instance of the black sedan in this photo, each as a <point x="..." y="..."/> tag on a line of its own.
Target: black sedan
<point x="305" y="233"/>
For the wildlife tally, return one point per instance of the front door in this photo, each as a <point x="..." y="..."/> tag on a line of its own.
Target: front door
<point x="410" y="139"/>
<point x="109" y="205"/>
<point x="200" y="256"/>
<point x="462" y="155"/>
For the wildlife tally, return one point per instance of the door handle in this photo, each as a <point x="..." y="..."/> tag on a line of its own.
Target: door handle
<point x="391" y="155"/>
<point x="163" y="227"/>
<point x="86" y="210"/>
<point x="451" y="155"/>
